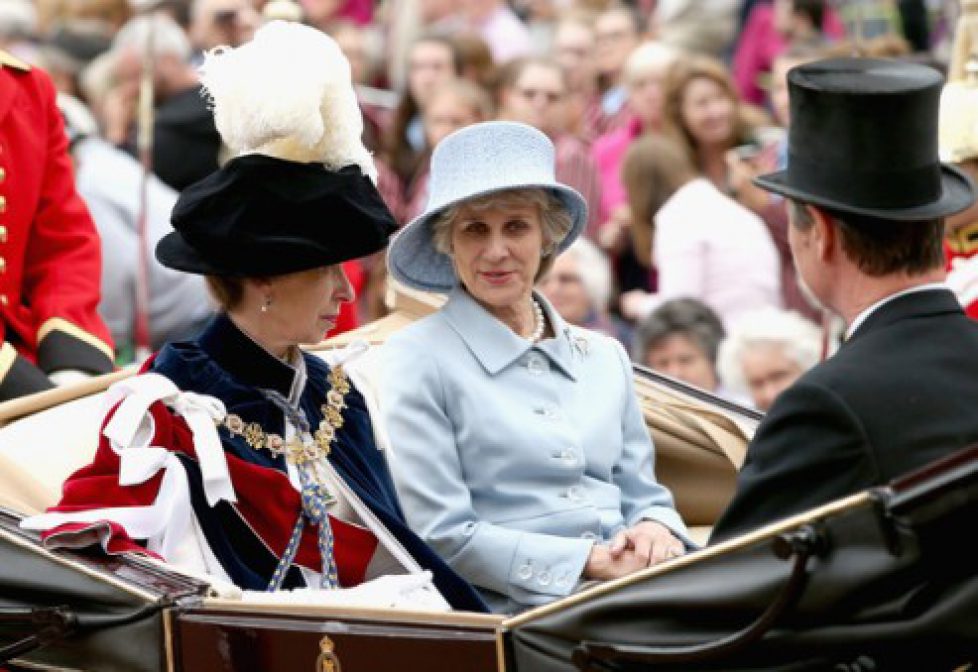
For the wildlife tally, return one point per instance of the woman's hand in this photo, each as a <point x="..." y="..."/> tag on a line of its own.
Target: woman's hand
<point x="740" y="175"/>
<point x="602" y="566"/>
<point x="648" y="541"/>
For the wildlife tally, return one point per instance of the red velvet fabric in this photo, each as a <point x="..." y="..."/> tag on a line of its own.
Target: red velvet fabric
<point x="266" y="501"/>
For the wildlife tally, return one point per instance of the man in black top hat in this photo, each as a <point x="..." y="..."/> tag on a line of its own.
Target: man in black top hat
<point x="867" y="197"/>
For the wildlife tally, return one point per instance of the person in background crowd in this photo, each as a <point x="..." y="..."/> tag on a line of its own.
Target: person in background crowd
<point x="617" y="31"/>
<point x="520" y="451"/>
<point x="454" y="105"/>
<point x="573" y="49"/>
<point x="18" y="22"/>
<point x="958" y="138"/>
<point x="578" y="286"/>
<point x="178" y="307"/>
<point x="50" y="263"/>
<point x="695" y="26"/>
<point x="476" y="61"/>
<point x="68" y="48"/>
<point x="702" y="111"/>
<point x="645" y="71"/>
<point x="704" y="244"/>
<point x="772" y="29"/>
<point x="742" y="168"/>
<point x="766" y="352"/>
<point x="185" y="141"/>
<point x="322" y="14"/>
<point x="681" y="339"/>
<point x="868" y="196"/>
<point x="432" y="61"/>
<point x="534" y="91"/>
<point x="495" y="22"/>
<point x="215" y="23"/>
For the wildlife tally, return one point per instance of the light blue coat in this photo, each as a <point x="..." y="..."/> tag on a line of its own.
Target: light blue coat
<point x="512" y="460"/>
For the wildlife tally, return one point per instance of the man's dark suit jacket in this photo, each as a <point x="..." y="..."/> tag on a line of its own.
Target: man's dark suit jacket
<point x="900" y="392"/>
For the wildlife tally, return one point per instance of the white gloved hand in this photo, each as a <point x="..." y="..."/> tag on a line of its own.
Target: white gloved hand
<point x="414" y="592"/>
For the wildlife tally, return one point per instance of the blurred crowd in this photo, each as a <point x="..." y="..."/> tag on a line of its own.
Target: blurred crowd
<point x="661" y="113"/>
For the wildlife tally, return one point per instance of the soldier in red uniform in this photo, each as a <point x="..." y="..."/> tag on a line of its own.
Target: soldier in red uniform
<point x="958" y="137"/>
<point x="49" y="248"/>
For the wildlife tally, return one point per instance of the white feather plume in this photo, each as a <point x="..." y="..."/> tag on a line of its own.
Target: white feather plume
<point x="287" y="94"/>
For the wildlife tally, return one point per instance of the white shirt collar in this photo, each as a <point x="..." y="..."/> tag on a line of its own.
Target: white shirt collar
<point x="862" y="317"/>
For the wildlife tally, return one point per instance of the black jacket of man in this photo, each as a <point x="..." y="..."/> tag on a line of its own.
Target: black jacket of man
<point x="900" y="392"/>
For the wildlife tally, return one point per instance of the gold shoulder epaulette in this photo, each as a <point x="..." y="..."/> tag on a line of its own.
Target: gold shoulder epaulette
<point x="11" y="61"/>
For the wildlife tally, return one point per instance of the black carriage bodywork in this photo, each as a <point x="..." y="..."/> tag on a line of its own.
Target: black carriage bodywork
<point x="877" y="581"/>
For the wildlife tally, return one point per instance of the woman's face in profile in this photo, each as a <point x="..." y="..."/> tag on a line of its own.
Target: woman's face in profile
<point x="305" y="305"/>
<point x="496" y="252"/>
<point x="708" y="112"/>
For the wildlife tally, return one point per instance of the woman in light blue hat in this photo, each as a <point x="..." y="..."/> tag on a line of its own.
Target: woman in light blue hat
<point x="519" y="450"/>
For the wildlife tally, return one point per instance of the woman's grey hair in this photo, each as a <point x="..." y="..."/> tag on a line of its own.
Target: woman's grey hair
<point x="797" y="337"/>
<point x="595" y="272"/>
<point x="680" y="317"/>
<point x="555" y="220"/>
<point x="168" y="37"/>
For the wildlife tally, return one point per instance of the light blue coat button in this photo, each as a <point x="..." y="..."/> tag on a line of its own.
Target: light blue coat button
<point x="525" y="572"/>
<point x="575" y="493"/>
<point x="549" y="412"/>
<point x="544" y="578"/>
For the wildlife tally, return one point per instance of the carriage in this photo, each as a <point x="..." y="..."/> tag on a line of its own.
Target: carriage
<point x="863" y="583"/>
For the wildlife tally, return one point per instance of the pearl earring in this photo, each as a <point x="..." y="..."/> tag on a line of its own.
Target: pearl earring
<point x="267" y="304"/>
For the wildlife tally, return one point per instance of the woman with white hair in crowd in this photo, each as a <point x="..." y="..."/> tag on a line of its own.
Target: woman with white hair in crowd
<point x="767" y="352"/>
<point x="579" y="287"/>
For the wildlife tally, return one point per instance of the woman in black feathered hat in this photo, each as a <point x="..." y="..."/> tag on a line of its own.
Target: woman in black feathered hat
<point x="290" y="490"/>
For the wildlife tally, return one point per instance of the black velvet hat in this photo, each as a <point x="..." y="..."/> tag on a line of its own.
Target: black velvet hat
<point x="262" y="216"/>
<point x="863" y="139"/>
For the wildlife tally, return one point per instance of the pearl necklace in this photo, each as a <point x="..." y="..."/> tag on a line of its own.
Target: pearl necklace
<point x="540" y="322"/>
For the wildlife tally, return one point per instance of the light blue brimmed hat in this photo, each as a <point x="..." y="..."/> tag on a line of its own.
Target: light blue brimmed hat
<point x="475" y="161"/>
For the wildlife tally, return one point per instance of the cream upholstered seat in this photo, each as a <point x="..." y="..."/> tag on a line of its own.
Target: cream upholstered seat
<point x="699" y="446"/>
<point x="45" y="437"/>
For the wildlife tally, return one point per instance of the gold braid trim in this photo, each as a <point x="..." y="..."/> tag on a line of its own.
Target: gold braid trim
<point x="295" y="451"/>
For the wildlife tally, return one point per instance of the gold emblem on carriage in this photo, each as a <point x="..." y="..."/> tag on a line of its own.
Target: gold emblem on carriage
<point x="327" y="661"/>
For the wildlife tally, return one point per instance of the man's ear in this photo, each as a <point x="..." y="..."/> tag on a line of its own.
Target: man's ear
<point x="824" y="233"/>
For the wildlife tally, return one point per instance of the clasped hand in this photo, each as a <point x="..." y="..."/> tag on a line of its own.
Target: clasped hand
<point x="647" y="543"/>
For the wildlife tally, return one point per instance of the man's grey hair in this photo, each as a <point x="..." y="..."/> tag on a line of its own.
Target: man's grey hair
<point x="797" y="337"/>
<point x="169" y="39"/>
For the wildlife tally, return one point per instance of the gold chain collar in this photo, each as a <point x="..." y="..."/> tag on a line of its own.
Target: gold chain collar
<point x="295" y="451"/>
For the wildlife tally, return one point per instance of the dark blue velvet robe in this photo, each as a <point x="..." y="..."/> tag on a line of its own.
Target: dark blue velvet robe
<point x="226" y="364"/>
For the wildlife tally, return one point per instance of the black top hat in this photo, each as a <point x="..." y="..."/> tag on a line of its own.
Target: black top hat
<point x="262" y="216"/>
<point x="863" y="140"/>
